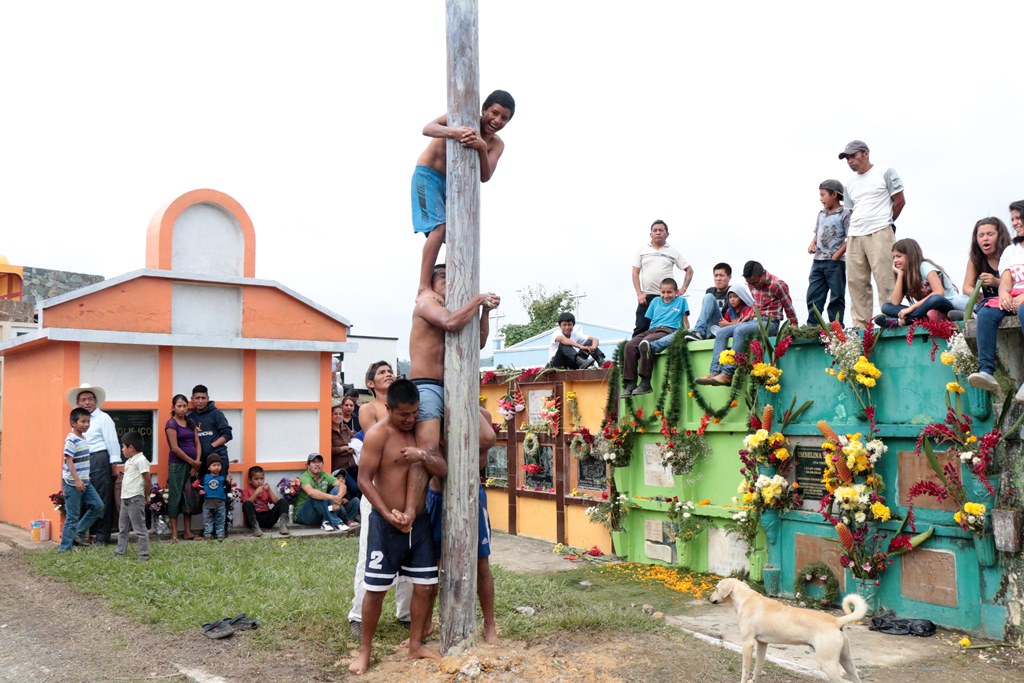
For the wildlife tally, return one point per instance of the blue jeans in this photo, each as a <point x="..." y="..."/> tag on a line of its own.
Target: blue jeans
<point x="826" y="276"/>
<point x="738" y="334"/>
<point x="215" y="522"/>
<point x="75" y="522"/>
<point x="313" y="512"/>
<point x="936" y="302"/>
<point x="988" y="325"/>
<point x="707" y="323"/>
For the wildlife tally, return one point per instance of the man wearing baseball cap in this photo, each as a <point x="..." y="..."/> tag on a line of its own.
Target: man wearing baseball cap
<point x="322" y="500"/>
<point x="876" y="199"/>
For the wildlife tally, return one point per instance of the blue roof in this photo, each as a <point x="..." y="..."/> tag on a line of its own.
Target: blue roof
<point x="533" y="352"/>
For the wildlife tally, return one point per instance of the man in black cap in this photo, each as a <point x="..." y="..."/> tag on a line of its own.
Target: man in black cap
<point x="828" y="272"/>
<point x="876" y="199"/>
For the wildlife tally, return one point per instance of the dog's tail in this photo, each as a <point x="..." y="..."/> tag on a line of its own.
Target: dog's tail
<point x="855" y="608"/>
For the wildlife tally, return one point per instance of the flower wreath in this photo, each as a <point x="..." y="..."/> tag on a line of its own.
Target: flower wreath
<point x="578" y="446"/>
<point x="531" y="444"/>
<point x="816" y="571"/>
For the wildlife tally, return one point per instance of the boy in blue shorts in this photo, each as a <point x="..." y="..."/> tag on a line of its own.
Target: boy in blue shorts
<point x="77" y="489"/>
<point x="667" y="313"/>
<point x="399" y="546"/>
<point x="429" y="179"/>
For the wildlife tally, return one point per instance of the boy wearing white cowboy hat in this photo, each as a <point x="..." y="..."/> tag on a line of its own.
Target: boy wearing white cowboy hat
<point x="104" y="452"/>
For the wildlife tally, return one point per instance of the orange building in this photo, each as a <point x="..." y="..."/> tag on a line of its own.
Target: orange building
<point x="196" y="314"/>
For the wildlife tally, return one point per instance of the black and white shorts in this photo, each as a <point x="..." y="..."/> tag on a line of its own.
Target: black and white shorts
<point x="392" y="556"/>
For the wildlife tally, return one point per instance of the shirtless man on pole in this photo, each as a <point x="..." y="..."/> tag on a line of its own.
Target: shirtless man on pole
<point x="430" y="321"/>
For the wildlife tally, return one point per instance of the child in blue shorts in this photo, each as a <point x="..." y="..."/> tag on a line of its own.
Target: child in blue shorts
<point x="429" y="179"/>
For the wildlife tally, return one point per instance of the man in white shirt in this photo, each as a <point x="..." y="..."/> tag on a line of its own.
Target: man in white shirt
<point x="104" y="453"/>
<point x="653" y="263"/>
<point x="876" y="198"/>
<point x="571" y="348"/>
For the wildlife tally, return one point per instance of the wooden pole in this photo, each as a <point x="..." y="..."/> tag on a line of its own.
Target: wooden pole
<point x="462" y="348"/>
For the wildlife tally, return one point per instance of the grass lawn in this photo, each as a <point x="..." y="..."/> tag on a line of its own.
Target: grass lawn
<point x="301" y="588"/>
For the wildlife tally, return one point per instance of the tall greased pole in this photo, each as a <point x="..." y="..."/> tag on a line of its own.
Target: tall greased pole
<point x="462" y="348"/>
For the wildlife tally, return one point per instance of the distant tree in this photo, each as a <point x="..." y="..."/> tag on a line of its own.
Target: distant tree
<point x="543" y="309"/>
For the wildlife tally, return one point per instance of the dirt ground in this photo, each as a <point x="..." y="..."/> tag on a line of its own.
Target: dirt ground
<point x="49" y="632"/>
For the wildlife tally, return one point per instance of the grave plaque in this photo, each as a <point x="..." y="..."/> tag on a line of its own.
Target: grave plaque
<point x="497" y="463"/>
<point x="140" y="421"/>
<point x="534" y="404"/>
<point x="591" y="473"/>
<point x="545" y="479"/>
<point x="810" y="465"/>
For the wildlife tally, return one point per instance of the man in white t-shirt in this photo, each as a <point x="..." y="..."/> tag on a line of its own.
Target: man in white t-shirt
<point x="876" y="198"/>
<point x="653" y="263"/>
<point x="571" y="348"/>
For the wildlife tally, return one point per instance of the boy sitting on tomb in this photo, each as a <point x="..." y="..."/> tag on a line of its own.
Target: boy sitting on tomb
<point x="571" y="349"/>
<point x="399" y="544"/>
<point x="429" y="181"/>
<point x="667" y="313"/>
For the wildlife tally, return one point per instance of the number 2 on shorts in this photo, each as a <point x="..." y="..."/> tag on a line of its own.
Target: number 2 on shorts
<point x="375" y="560"/>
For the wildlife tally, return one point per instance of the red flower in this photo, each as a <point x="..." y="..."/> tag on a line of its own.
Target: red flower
<point x="899" y="543"/>
<point x="837" y="330"/>
<point x="488" y="377"/>
<point x="757" y="351"/>
<point x="782" y="346"/>
<point x="845" y="537"/>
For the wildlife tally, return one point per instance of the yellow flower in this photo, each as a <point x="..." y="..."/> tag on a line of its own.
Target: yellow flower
<point x="880" y="511"/>
<point x="965" y="642"/>
<point x="865" y="380"/>
<point x="727" y="357"/>
<point x="774" y="388"/>
<point x="690" y="394"/>
<point x="749" y="498"/>
<point x="958" y="517"/>
<point x="946" y="357"/>
<point x="976" y="509"/>
<point x="841" y="376"/>
<point x="782" y="454"/>
<point x="830" y="371"/>
<point x="970" y="439"/>
<point x="954" y="388"/>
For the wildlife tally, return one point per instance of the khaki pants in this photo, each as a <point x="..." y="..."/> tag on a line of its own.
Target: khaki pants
<point x="866" y="256"/>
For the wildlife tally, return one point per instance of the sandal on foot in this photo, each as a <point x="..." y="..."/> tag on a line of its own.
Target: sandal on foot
<point x="218" y="629"/>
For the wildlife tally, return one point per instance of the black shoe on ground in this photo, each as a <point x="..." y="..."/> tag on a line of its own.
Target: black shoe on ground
<point x="643" y="388"/>
<point x="645" y="349"/>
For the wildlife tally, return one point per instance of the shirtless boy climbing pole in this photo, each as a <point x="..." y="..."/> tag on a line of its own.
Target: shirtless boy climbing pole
<point x="429" y="182"/>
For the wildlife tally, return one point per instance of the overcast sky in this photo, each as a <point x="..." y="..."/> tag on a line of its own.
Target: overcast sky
<point x="720" y="118"/>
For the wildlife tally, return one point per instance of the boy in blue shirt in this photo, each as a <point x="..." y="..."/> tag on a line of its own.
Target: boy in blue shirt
<point x="215" y="500"/>
<point x="77" y="489"/>
<point x="667" y="313"/>
<point x="828" y="273"/>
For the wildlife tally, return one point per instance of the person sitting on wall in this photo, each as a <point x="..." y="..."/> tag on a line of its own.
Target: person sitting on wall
<point x="571" y="349"/>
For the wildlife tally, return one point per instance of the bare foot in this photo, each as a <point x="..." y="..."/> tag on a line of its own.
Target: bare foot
<point x="360" y="664"/>
<point x="491" y="635"/>
<point x="422" y="652"/>
<point x="174" y="539"/>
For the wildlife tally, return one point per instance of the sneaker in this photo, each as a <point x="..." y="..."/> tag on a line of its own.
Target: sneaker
<point x="722" y="380"/>
<point x="82" y="540"/>
<point x="627" y="389"/>
<point x="644" y="388"/>
<point x="282" y="526"/>
<point x="342" y="527"/>
<point x="355" y="629"/>
<point x="328" y="527"/>
<point x="588" y="363"/>
<point x="256" y="530"/>
<point x="645" y="350"/>
<point x="694" y="336"/>
<point x="706" y="379"/>
<point x="984" y="381"/>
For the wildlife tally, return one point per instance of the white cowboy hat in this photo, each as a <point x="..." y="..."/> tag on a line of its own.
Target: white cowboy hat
<point x="98" y="392"/>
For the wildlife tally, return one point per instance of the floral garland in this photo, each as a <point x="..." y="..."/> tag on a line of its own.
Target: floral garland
<point x="581" y="446"/>
<point x="531" y="443"/>
<point x="816" y="571"/>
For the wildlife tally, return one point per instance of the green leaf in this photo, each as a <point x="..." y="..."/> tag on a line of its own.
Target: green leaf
<point x="934" y="462"/>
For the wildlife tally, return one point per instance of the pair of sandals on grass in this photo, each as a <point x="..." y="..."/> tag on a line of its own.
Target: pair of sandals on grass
<point x="226" y="627"/>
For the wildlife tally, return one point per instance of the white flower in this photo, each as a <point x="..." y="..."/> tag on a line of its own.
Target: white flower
<point x="966" y="456"/>
<point x="520" y="407"/>
<point x="860" y="517"/>
<point x="971" y="519"/>
<point x="686" y="515"/>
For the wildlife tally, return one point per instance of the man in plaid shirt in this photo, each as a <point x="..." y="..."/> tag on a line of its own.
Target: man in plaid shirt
<point x="771" y="299"/>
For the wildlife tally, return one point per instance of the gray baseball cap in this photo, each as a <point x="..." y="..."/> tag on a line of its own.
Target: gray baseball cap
<point x="854" y="147"/>
<point x="832" y="186"/>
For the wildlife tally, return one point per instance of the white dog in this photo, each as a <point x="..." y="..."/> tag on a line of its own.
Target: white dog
<point x="764" y="621"/>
